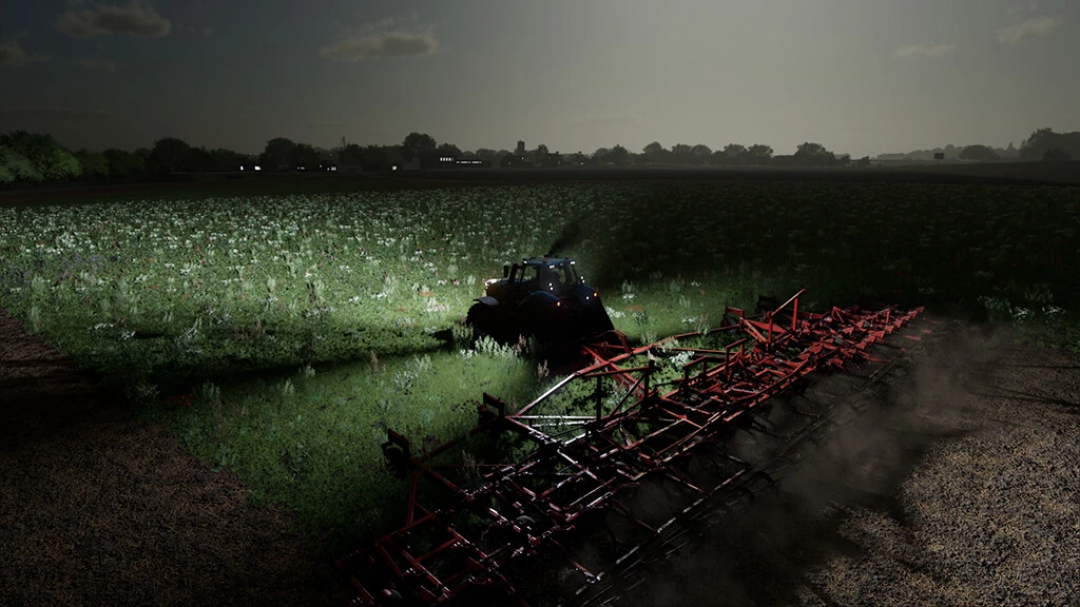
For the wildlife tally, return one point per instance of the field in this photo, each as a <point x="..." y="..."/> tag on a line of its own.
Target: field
<point x="278" y="336"/>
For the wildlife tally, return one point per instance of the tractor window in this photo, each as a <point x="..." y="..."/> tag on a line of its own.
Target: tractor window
<point x="548" y="279"/>
<point x="569" y="275"/>
<point x="527" y="275"/>
<point x="544" y="278"/>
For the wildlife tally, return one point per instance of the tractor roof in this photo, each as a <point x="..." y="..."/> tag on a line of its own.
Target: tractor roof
<point x="548" y="261"/>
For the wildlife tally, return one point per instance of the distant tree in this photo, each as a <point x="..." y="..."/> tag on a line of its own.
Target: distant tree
<point x="375" y="158"/>
<point x="226" y="160"/>
<point x="303" y="155"/>
<point x="1035" y="146"/>
<point x="539" y="155"/>
<point x="620" y="155"/>
<point x="123" y="164"/>
<point x="487" y="154"/>
<point x="1056" y="155"/>
<point x="94" y="164"/>
<point x="50" y="159"/>
<point x="700" y="153"/>
<point x="733" y="153"/>
<point x="602" y="155"/>
<point x="16" y="167"/>
<point x="199" y="160"/>
<point x="168" y="155"/>
<point x="979" y="153"/>
<point x="654" y="152"/>
<point x="680" y="153"/>
<point x="1044" y="140"/>
<point x="448" y="149"/>
<point x="275" y="156"/>
<point x="814" y="154"/>
<point x="416" y="145"/>
<point x="350" y="157"/>
<point x="394" y="153"/>
<point x="323" y="158"/>
<point x="756" y="154"/>
<point x="863" y="162"/>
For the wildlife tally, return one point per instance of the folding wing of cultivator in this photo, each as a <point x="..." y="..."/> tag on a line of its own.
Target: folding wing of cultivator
<point x="580" y="482"/>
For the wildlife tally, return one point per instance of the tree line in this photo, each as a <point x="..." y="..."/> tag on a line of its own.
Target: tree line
<point x="36" y="158"/>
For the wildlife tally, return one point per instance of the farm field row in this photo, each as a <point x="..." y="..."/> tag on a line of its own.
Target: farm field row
<point x="279" y="336"/>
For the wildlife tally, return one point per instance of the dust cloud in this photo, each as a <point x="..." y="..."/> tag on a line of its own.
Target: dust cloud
<point x="759" y="555"/>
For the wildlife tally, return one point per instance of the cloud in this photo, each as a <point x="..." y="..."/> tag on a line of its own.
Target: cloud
<point x="135" y="19"/>
<point x="92" y="63"/>
<point x="389" y="37"/>
<point x="1032" y="28"/>
<point x="12" y="53"/>
<point x="55" y="114"/>
<point x="916" y="51"/>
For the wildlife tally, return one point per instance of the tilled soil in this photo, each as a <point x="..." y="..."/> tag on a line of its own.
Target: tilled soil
<point x="960" y="486"/>
<point x="98" y="508"/>
<point x="989" y="518"/>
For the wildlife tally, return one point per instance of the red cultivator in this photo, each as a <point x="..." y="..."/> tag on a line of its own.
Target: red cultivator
<point x="611" y="460"/>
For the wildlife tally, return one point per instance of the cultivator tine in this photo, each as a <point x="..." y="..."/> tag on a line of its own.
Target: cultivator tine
<point x="637" y="435"/>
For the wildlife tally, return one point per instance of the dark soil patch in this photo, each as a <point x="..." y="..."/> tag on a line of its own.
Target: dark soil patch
<point x="99" y="508"/>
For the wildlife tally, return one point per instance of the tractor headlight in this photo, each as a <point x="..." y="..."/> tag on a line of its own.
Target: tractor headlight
<point x="491" y="281"/>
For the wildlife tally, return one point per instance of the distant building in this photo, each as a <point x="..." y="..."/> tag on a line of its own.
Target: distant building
<point x="520" y="148"/>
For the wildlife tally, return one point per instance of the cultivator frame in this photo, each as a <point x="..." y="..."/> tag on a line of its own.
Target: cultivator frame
<point x="487" y="530"/>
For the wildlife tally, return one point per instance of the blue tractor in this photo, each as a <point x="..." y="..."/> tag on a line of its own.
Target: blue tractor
<point x="542" y="298"/>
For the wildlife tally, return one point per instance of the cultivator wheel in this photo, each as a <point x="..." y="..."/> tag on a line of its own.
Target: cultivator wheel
<point x="616" y="466"/>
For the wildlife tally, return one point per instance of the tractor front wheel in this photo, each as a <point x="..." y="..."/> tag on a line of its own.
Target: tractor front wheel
<point x="483" y="320"/>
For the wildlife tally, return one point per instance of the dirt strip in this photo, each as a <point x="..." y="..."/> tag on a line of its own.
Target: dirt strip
<point x="98" y="508"/>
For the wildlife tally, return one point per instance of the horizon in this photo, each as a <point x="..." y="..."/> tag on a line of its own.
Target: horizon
<point x="572" y="76"/>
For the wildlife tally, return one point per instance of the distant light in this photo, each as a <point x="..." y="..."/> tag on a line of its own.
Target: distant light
<point x="241" y="167"/>
<point x="258" y="168"/>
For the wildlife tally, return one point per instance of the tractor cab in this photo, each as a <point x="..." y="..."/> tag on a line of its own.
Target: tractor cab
<point x="539" y="274"/>
<point x="541" y="297"/>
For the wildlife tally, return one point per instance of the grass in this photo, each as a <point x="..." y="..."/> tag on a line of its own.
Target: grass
<point x="279" y="336"/>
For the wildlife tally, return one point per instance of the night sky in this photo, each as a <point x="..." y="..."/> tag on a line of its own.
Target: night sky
<point x="860" y="76"/>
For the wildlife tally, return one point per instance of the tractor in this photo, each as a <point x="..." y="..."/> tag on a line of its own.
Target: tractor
<point x="542" y="298"/>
